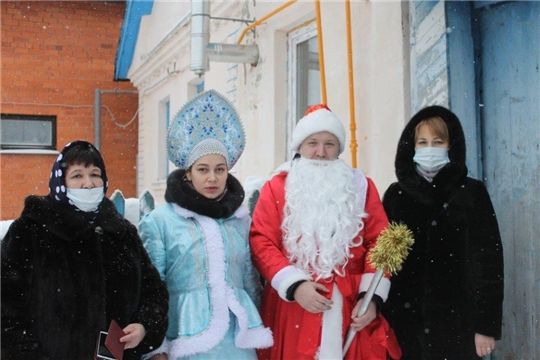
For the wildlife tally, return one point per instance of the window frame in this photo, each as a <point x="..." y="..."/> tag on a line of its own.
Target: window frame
<point x="163" y="123"/>
<point x="25" y="117"/>
<point x="294" y="38"/>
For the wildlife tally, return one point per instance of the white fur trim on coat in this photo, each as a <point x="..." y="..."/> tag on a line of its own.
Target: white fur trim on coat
<point x="285" y="278"/>
<point x="332" y="328"/>
<point x="246" y="338"/>
<point x="219" y="321"/>
<point x="382" y="289"/>
<point x="221" y="298"/>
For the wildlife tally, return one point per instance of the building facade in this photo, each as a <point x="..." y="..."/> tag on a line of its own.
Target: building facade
<point x="57" y="69"/>
<point x="267" y="94"/>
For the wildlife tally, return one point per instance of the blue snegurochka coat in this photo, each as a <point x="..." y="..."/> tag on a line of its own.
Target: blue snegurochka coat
<point x="207" y="266"/>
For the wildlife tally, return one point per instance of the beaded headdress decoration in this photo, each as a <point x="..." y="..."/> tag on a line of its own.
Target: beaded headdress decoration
<point x="207" y="124"/>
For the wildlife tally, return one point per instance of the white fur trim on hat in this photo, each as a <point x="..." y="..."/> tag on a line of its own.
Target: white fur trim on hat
<point x="207" y="147"/>
<point x="317" y="121"/>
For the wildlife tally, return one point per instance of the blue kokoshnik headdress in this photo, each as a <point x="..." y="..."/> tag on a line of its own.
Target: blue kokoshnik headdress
<point x="207" y="124"/>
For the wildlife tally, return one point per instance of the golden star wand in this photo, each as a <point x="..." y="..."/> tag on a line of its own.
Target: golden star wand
<point x="387" y="256"/>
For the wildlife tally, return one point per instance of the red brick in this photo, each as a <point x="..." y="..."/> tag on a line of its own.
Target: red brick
<point x="64" y="63"/>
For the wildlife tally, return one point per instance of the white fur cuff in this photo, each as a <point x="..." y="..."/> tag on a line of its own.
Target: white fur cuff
<point x="382" y="289"/>
<point x="285" y="278"/>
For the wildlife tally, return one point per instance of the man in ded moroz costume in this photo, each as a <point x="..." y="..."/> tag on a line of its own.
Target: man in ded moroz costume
<point x="312" y="229"/>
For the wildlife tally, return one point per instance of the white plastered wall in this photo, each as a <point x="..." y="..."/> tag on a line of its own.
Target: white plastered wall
<point x="160" y="70"/>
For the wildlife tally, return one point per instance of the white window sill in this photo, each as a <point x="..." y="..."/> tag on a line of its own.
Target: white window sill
<point x="30" y="151"/>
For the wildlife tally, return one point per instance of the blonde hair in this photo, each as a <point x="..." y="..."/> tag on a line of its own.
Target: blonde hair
<point x="436" y="125"/>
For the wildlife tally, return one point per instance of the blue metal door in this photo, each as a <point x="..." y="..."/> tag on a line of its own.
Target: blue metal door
<point x="509" y="81"/>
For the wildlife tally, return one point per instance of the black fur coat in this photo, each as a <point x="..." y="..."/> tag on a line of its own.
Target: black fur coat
<point x="64" y="280"/>
<point x="451" y="284"/>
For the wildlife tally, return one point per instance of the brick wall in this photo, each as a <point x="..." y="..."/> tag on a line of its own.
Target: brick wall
<point x="54" y="55"/>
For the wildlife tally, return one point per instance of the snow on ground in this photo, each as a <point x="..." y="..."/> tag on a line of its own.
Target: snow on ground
<point x="4" y="226"/>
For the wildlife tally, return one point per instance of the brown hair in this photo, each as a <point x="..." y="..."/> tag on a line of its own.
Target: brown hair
<point x="436" y="125"/>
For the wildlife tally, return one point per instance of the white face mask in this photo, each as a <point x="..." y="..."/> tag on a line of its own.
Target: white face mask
<point x="86" y="199"/>
<point x="431" y="158"/>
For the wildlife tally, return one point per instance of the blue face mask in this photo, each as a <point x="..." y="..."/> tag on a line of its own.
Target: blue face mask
<point x="431" y="159"/>
<point x="86" y="199"/>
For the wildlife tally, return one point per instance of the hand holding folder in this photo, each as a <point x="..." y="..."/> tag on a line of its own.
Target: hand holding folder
<point x="109" y="346"/>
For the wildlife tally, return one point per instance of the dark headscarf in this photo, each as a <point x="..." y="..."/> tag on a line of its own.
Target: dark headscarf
<point x="181" y="192"/>
<point x="76" y="152"/>
<point x="449" y="176"/>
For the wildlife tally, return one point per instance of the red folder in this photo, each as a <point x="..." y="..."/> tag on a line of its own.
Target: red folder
<point x="112" y="341"/>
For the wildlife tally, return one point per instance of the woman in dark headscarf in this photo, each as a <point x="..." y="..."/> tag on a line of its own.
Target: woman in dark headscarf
<point x="446" y="302"/>
<point x="71" y="264"/>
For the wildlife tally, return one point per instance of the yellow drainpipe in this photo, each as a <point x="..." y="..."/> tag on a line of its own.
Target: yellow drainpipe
<point x="354" y="144"/>
<point x="321" y="51"/>
<point x="264" y="18"/>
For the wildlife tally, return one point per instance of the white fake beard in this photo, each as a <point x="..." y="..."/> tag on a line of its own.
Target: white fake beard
<point x="322" y="216"/>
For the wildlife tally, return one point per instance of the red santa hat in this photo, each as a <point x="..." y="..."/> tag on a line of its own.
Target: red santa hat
<point x="316" y="119"/>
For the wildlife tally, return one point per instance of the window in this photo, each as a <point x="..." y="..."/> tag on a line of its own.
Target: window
<point x="195" y="87"/>
<point x="28" y="132"/>
<point x="304" y="74"/>
<point x="164" y="120"/>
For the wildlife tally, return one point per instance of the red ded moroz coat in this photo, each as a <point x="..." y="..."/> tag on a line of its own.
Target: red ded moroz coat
<point x="297" y="332"/>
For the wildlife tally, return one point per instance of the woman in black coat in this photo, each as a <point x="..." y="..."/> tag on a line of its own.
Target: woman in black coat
<point x="71" y="264"/>
<point x="446" y="302"/>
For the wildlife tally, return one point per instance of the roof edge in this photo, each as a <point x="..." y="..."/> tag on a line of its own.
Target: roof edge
<point x="135" y="10"/>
